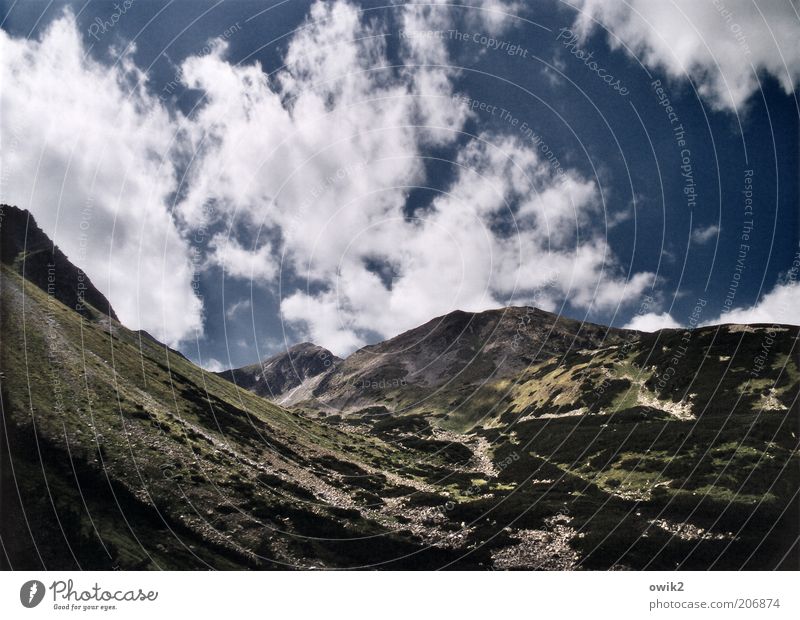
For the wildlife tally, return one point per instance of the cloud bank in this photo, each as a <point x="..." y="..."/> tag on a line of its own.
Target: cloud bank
<point x="88" y="153"/>
<point x="652" y="322"/>
<point x="323" y="155"/>
<point x="777" y="306"/>
<point x="722" y="45"/>
<point x="310" y="169"/>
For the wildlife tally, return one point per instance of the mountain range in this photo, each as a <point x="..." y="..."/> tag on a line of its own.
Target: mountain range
<point x="506" y="439"/>
<point x="460" y="353"/>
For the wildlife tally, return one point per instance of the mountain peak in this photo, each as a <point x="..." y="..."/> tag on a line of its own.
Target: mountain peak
<point x="283" y="372"/>
<point x="301" y="347"/>
<point x="469" y="346"/>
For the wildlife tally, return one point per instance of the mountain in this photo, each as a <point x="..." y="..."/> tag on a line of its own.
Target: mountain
<point x="118" y="452"/>
<point x="28" y="251"/>
<point x="278" y="377"/>
<point x="588" y="449"/>
<point x="446" y="363"/>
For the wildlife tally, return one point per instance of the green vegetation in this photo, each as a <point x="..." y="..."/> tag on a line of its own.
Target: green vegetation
<point x="127" y="455"/>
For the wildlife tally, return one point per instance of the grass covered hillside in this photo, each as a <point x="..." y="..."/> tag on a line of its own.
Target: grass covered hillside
<point x="593" y="451"/>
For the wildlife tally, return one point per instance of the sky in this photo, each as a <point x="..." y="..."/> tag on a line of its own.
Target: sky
<point x="238" y="177"/>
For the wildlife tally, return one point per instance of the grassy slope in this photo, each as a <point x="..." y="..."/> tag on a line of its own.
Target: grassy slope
<point x="151" y="462"/>
<point x="708" y="444"/>
<point x="92" y="408"/>
<point x="664" y="451"/>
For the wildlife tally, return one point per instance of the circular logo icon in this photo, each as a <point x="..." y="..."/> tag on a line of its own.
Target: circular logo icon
<point x="31" y="593"/>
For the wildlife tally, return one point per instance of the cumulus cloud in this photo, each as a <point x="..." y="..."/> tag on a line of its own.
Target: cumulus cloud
<point x="289" y="154"/>
<point x="723" y="45"/>
<point x="777" y="306"/>
<point x="451" y="256"/>
<point x="652" y="321"/>
<point x="237" y="306"/>
<point x="90" y="160"/>
<point x="703" y="235"/>
<point x="241" y="262"/>
<point x="319" y="159"/>
<point x="322" y="156"/>
<point x="213" y="365"/>
<point x="495" y="15"/>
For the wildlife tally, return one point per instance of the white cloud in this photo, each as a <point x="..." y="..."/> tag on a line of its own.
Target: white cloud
<point x="777" y="306"/>
<point x="240" y="262"/>
<point x="237" y="306"/>
<point x="321" y="156"/>
<point x="652" y="321"/>
<point x="721" y="44"/>
<point x="703" y="235"/>
<point x="289" y="154"/>
<point x="452" y="257"/>
<point x="213" y="365"/>
<point x="428" y="72"/>
<point x="88" y="160"/>
<point x="495" y="15"/>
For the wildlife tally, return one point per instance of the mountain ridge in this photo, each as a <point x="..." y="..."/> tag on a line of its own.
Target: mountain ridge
<point x="283" y="372"/>
<point x="27" y="249"/>
<point x="458" y="346"/>
<point x="609" y="458"/>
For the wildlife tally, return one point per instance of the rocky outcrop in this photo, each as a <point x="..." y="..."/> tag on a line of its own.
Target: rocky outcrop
<point x="282" y="374"/>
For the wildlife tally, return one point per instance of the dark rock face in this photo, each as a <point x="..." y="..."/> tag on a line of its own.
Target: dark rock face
<point x="281" y="373"/>
<point x="505" y="340"/>
<point x="446" y="356"/>
<point x="25" y="247"/>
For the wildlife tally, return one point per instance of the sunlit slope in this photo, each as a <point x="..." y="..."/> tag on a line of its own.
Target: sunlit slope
<point x="664" y="450"/>
<point x="653" y="451"/>
<point x="111" y="431"/>
<point x="679" y="448"/>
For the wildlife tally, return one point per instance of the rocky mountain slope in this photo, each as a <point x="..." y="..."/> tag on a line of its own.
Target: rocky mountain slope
<point x="586" y="451"/>
<point x="445" y="364"/>
<point x="277" y="378"/>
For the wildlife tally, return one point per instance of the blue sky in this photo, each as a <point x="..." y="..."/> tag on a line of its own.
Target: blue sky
<point x="241" y="176"/>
